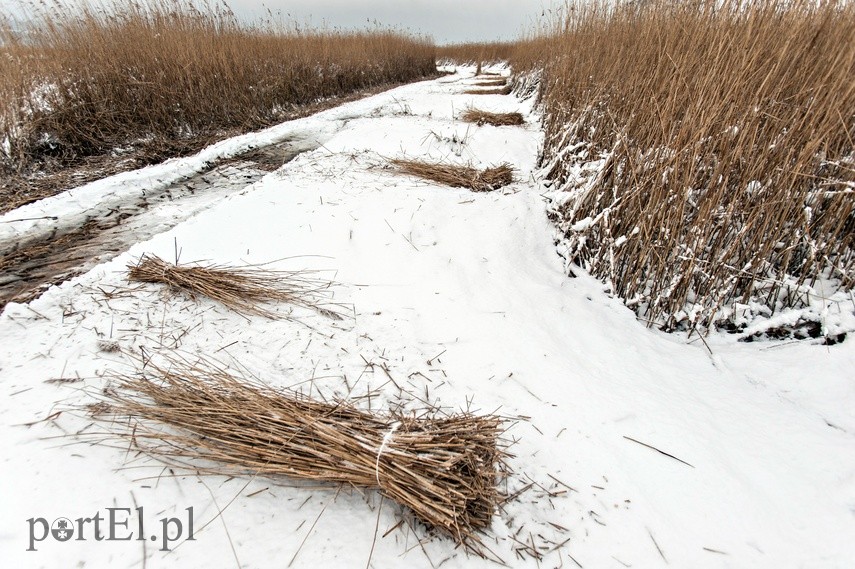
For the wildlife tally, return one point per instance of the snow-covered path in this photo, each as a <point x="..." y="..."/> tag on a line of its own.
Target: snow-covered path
<point x="462" y="298"/>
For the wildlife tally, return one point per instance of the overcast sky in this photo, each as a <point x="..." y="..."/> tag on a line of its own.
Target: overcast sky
<point x="446" y="20"/>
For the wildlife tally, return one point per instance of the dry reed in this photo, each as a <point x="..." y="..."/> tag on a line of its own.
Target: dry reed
<point x="722" y="136"/>
<point x="471" y="53"/>
<point x="247" y="290"/>
<point x="506" y="90"/>
<point x="476" y="180"/>
<point x="164" y="74"/>
<point x="482" y="117"/>
<point x="445" y="469"/>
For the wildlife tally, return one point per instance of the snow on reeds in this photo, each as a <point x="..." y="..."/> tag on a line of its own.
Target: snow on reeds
<point x="701" y="153"/>
<point x="171" y="74"/>
<point x="476" y="53"/>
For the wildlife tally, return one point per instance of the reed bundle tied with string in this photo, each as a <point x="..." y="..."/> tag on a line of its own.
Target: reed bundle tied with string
<point x="445" y="469"/>
<point x="248" y="289"/>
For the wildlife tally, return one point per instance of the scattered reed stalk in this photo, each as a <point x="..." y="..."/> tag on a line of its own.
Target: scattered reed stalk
<point x="458" y="176"/>
<point x="243" y="289"/>
<point x="500" y="91"/>
<point x="446" y="469"/>
<point x="481" y="117"/>
<point x="163" y="73"/>
<point x="723" y="134"/>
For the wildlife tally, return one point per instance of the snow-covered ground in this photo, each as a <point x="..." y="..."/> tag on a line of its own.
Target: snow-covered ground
<point x="462" y="297"/>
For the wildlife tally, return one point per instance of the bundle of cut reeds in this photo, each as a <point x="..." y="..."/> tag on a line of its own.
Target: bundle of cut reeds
<point x="446" y="469"/>
<point x="506" y="90"/>
<point x="244" y="289"/>
<point x="458" y="176"/>
<point x="482" y="117"/>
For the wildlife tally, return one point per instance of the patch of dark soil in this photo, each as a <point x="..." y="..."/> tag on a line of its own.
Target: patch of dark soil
<point x="802" y="330"/>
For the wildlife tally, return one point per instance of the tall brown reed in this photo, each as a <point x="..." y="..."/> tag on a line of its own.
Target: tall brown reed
<point x="725" y="133"/>
<point x="475" y="52"/>
<point x="168" y="71"/>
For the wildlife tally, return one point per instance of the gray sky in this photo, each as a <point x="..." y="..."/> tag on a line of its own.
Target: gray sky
<point x="446" y="20"/>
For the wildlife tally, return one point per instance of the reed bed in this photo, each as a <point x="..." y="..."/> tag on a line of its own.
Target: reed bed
<point x="247" y="290"/>
<point x="445" y="469"/>
<point x="477" y="52"/>
<point x="481" y="117"/>
<point x="169" y="75"/>
<point x="707" y="149"/>
<point x="476" y="180"/>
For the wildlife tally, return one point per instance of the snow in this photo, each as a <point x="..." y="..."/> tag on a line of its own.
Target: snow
<point x="582" y="224"/>
<point x="463" y="297"/>
<point x="73" y="207"/>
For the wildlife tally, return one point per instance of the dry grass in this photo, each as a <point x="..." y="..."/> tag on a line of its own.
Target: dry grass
<point x="446" y="469"/>
<point x="163" y="74"/>
<point x="458" y="176"/>
<point x="481" y="117"/>
<point x="476" y="53"/>
<point x="500" y="91"/>
<point x="246" y="290"/>
<point x="25" y="187"/>
<point x="725" y="135"/>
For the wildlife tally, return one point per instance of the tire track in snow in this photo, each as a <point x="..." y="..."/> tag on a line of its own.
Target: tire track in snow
<point x="32" y="267"/>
